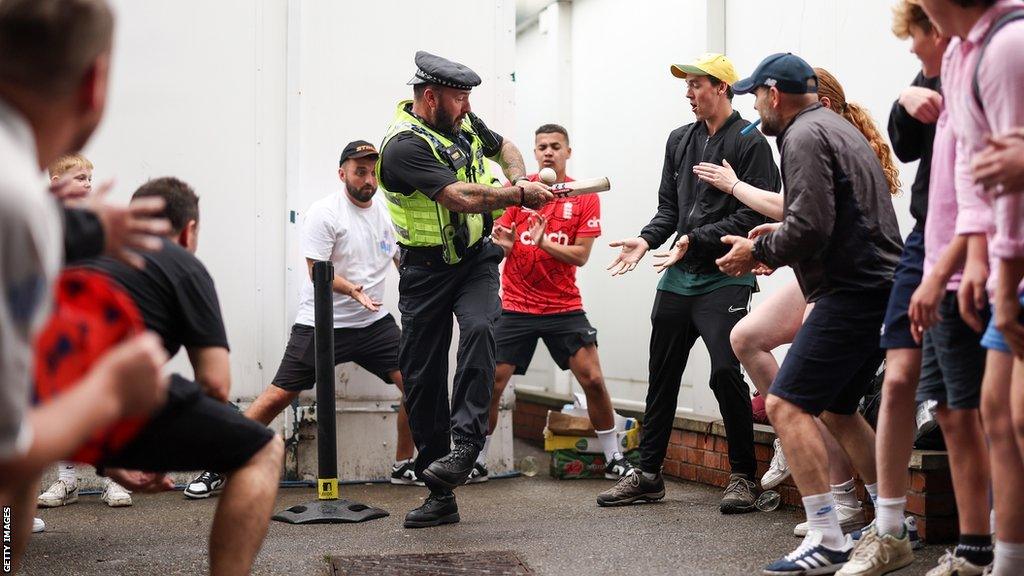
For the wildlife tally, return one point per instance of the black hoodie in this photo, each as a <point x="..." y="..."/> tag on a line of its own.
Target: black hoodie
<point x="690" y="206"/>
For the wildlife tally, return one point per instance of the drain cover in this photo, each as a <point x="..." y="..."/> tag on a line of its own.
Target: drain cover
<point x="498" y="563"/>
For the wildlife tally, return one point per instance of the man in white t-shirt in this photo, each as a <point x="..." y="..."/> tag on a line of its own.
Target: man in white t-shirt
<point x="355" y="233"/>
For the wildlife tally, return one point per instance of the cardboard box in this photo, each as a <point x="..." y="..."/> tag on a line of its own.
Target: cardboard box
<point x="567" y="425"/>
<point x="572" y="465"/>
<point x="628" y="440"/>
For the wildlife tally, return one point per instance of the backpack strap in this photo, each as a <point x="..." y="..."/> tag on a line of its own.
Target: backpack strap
<point x="996" y="26"/>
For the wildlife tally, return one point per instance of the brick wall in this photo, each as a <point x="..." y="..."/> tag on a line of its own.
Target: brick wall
<point x="698" y="452"/>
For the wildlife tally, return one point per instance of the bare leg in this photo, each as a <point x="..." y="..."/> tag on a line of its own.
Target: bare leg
<point x="803" y="446"/>
<point x="270" y="403"/>
<point x="968" y="463"/>
<point x="586" y="367"/>
<point x="1004" y="454"/>
<point x="771" y="324"/>
<point x="896" y="421"/>
<point x="244" y="510"/>
<point x="502" y="375"/>
<point x="839" y="468"/>
<point x="404" y="447"/>
<point x="857" y="439"/>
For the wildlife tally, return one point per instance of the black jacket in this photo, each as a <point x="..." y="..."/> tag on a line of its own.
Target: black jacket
<point x="839" y="230"/>
<point x="689" y="206"/>
<point x="912" y="140"/>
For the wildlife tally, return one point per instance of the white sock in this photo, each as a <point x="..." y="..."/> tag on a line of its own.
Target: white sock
<point x="400" y="463"/>
<point x="1009" y="559"/>
<point x="609" y="443"/>
<point x="845" y="494"/>
<point x="481" y="458"/>
<point x="66" y="472"/>
<point x="872" y="490"/>
<point x="821" y="516"/>
<point x="889" y="514"/>
<point x="650" y="475"/>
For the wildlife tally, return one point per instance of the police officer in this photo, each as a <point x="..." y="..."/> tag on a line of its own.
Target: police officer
<point x="443" y="198"/>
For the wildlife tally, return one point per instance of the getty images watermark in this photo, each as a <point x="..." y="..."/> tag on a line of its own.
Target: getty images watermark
<point x="8" y="564"/>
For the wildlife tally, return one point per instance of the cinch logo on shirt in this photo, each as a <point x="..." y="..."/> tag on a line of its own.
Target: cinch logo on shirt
<point x="594" y="223"/>
<point x="556" y="237"/>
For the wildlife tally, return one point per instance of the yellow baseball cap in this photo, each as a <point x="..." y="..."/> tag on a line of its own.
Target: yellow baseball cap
<point x="712" y="64"/>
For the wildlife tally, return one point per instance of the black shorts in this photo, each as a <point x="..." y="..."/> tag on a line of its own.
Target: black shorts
<point x="516" y="336"/>
<point x="193" y="432"/>
<point x="374" y="347"/>
<point x="835" y="355"/>
<point x="906" y="279"/>
<point x="952" y="361"/>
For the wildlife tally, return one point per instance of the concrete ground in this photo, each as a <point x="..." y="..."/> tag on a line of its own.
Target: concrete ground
<point x="554" y="526"/>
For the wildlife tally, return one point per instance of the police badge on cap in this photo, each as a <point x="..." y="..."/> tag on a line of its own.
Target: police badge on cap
<point x="431" y="69"/>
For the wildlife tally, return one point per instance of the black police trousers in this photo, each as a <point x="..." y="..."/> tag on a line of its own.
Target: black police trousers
<point x="677" y="321"/>
<point x="430" y="293"/>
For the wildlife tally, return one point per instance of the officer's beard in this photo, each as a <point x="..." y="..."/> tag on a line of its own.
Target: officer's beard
<point x="363" y="194"/>
<point x="444" y="121"/>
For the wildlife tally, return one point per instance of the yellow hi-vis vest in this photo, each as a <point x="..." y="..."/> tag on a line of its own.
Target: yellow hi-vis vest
<point x="419" y="221"/>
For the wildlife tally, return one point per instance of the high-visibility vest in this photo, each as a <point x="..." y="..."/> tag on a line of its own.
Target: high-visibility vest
<point x="421" y="222"/>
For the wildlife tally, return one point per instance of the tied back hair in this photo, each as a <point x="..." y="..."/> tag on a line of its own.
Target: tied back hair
<point x="857" y="115"/>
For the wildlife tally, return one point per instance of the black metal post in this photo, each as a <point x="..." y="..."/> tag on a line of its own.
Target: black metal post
<point x="323" y="338"/>
<point x="327" y="509"/>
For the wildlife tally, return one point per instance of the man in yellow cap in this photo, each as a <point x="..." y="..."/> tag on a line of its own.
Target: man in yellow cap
<point x="696" y="300"/>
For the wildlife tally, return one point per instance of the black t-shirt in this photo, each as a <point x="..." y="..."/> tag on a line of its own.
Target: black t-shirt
<point x="175" y="295"/>
<point x="408" y="164"/>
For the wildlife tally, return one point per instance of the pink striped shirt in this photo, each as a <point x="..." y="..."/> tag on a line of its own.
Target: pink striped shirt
<point x="1001" y="80"/>
<point x="940" y="225"/>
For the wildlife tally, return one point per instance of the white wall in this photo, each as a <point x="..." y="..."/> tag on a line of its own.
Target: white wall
<point x="622" y="103"/>
<point x="202" y="98"/>
<point x="251" y="103"/>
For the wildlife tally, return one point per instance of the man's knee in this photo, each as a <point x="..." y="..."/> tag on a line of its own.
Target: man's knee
<point x="777" y="408"/>
<point x="475" y="327"/>
<point x="271" y="456"/>
<point x="996" y="417"/>
<point x="743" y="340"/>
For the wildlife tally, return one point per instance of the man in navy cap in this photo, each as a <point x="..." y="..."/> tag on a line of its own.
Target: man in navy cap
<point x="443" y="199"/>
<point x="840" y="235"/>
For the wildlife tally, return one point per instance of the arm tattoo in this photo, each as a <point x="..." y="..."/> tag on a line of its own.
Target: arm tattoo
<point x="470" y="198"/>
<point x="511" y="161"/>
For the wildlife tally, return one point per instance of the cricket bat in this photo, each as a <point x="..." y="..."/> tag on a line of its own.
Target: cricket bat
<point x="589" y="186"/>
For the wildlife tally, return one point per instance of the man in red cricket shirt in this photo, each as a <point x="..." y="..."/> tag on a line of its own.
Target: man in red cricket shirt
<point x="540" y="299"/>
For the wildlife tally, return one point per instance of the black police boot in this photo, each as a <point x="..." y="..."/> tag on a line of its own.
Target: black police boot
<point x="439" y="508"/>
<point x="452" y="469"/>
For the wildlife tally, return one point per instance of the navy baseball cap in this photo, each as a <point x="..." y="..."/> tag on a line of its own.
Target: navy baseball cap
<point x="787" y="72"/>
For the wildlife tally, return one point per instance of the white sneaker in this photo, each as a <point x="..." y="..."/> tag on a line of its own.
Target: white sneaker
<point x="850" y="519"/>
<point x="875" y="555"/>
<point x="953" y="565"/>
<point x="58" y="494"/>
<point x="115" y="495"/>
<point x="38" y="525"/>
<point x="777" y="471"/>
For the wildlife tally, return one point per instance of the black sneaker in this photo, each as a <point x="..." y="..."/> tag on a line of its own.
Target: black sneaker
<point x="739" y="495"/>
<point x="405" y="474"/>
<point x="478" y="474"/>
<point x="452" y="469"/>
<point x="633" y="487"/>
<point x="204" y="485"/>
<point x="439" y="508"/>
<point x="617" y="468"/>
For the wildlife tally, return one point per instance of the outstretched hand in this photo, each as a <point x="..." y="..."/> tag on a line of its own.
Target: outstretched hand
<point x="722" y="177"/>
<point x="669" y="259"/>
<point x="633" y="249"/>
<point x="740" y="258"/>
<point x="363" y="298"/>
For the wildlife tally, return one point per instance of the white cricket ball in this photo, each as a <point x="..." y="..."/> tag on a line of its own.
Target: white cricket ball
<point x="547" y="175"/>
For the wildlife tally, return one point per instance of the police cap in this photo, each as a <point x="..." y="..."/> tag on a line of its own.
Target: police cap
<point x="431" y="69"/>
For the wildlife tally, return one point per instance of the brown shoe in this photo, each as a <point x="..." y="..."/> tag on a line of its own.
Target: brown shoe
<point x="739" y="495"/>
<point x="632" y="488"/>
